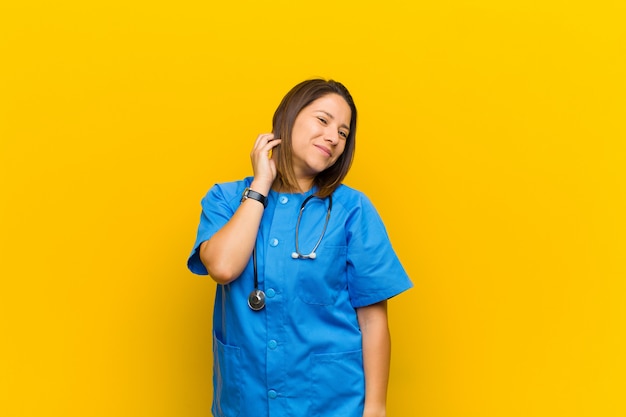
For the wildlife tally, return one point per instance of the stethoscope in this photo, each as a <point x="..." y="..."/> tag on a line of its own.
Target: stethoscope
<point x="256" y="299"/>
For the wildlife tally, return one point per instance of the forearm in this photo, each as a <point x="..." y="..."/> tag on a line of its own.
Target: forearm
<point x="376" y="357"/>
<point x="228" y="251"/>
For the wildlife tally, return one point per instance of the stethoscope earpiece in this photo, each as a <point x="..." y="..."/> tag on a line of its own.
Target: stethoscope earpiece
<point x="296" y="255"/>
<point x="312" y="255"/>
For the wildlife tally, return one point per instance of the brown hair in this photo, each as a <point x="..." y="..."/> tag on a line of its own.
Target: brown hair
<point x="291" y="105"/>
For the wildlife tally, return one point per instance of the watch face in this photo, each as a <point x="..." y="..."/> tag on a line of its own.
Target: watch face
<point x="248" y="193"/>
<point x="244" y="195"/>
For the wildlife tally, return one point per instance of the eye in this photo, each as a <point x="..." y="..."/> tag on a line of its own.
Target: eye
<point x="322" y="120"/>
<point x="343" y="134"/>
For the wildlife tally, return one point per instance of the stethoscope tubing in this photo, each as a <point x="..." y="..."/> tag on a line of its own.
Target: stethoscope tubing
<point x="256" y="300"/>
<point x="312" y="254"/>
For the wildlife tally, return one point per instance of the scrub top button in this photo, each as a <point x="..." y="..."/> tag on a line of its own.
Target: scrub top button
<point x="274" y="242"/>
<point x="284" y="200"/>
<point x="270" y="293"/>
<point x="272" y="344"/>
<point x="272" y="394"/>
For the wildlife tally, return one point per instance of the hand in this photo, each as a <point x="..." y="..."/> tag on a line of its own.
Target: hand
<point x="263" y="164"/>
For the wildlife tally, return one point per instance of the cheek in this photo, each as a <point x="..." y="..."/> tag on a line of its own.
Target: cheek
<point x="338" y="155"/>
<point x="341" y="148"/>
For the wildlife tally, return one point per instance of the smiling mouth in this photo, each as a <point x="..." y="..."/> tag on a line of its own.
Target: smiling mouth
<point x="324" y="150"/>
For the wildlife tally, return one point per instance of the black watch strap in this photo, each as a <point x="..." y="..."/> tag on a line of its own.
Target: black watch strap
<point x="248" y="193"/>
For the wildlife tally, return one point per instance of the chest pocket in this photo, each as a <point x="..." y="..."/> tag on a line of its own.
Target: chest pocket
<point x="320" y="280"/>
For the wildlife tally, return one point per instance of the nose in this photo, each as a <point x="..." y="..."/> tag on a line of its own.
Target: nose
<point x="332" y="136"/>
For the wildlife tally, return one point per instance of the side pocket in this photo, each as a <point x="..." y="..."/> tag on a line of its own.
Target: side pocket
<point x="338" y="384"/>
<point x="227" y="397"/>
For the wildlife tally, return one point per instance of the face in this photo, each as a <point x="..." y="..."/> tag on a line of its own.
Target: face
<point x="319" y="135"/>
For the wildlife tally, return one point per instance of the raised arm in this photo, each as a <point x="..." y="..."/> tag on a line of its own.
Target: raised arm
<point x="226" y="254"/>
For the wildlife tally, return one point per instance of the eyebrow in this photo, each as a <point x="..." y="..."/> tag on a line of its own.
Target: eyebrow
<point x="333" y="118"/>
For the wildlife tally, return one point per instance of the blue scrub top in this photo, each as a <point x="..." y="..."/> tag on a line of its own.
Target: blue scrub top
<point x="301" y="355"/>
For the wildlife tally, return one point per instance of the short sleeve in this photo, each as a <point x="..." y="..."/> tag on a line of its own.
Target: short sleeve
<point x="374" y="270"/>
<point x="217" y="209"/>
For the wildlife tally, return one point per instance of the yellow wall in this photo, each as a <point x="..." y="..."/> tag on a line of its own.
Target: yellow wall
<point x="491" y="139"/>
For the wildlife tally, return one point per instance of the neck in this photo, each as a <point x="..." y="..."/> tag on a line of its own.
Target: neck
<point x="304" y="184"/>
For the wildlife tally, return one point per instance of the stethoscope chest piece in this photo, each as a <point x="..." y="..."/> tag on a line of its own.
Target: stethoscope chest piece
<point x="256" y="300"/>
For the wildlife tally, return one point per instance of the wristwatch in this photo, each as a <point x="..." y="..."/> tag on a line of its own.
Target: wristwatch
<point x="248" y="193"/>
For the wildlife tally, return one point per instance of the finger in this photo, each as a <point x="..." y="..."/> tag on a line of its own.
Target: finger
<point x="274" y="143"/>
<point x="263" y="140"/>
<point x="264" y="145"/>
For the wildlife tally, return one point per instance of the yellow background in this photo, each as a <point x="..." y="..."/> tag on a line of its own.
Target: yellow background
<point x="491" y="139"/>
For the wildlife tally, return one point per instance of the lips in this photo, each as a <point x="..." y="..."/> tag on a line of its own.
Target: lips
<point x="324" y="150"/>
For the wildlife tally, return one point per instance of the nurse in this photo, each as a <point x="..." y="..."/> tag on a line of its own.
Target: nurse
<point x="304" y="269"/>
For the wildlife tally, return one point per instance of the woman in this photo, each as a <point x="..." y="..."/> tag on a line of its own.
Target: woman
<point x="304" y="268"/>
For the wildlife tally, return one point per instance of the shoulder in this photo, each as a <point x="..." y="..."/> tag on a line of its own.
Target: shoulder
<point x="228" y="192"/>
<point x="347" y="193"/>
<point x="350" y="199"/>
